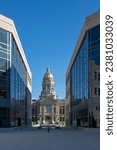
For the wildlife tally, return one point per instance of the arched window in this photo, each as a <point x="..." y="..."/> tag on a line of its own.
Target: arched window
<point x="48" y="109"/>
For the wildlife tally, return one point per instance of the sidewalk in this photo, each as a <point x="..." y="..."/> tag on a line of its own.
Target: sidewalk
<point x="39" y="139"/>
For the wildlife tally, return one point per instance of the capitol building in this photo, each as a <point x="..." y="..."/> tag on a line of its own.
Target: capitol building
<point x="48" y="110"/>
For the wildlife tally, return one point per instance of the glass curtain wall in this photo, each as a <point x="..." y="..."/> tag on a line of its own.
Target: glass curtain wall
<point x="14" y="94"/>
<point x="18" y="87"/>
<point x="4" y="78"/>
<point x="94" y="73"/>
<point x="85" y="68"/>
<point x="79" y="80"/>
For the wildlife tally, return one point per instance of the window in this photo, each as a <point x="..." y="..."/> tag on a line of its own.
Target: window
<point x="60" y="111"/>
<point x="42" y="109"/>
<point x="95" y="34"/>
<point x="95" y="75"/>
<point x="63" y="111"/>
<point x="3" y="36"/>
<point x="3" y="92"/>
<point x="3" y="65"/>
<point x="63" y="119"/>
<point x="97" y="107"/>
<point x="47" y="88"/>
<point x="4" y="55"/>
<point x="54" y="109"/>
<point x="48" y="109"/>
<point x="48" y="118"/>
<point x="97" y="91"/>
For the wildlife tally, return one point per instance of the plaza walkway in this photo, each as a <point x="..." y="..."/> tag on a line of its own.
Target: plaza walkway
<point x="56" y="139"/>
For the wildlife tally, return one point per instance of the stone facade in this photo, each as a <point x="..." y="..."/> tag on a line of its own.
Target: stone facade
<point x="49" y="110"/>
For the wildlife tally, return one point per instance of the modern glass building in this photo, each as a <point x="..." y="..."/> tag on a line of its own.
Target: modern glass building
<point x="83" y="77"/>
<point x="15" y="78"/>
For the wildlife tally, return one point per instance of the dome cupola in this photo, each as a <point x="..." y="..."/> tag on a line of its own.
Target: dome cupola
<point x="48" y="74"/>
<point x="48" y="88"/>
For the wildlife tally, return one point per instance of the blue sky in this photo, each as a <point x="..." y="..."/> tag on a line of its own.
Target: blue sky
<point x="48" y="30"/>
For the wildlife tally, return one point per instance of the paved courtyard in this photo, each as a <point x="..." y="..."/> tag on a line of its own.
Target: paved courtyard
<point x="56" y="139"/>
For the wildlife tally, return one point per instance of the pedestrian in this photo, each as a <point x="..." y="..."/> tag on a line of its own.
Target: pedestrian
<point x="48" y="129"/>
